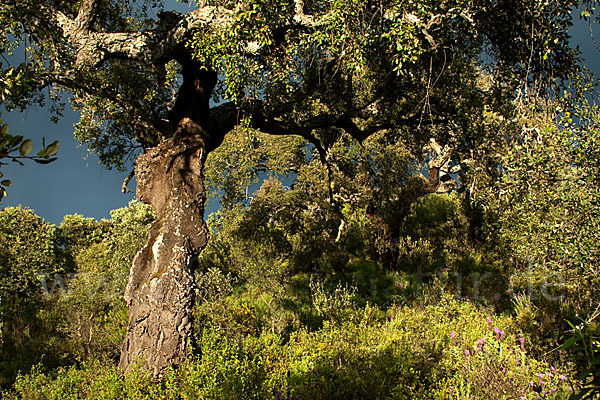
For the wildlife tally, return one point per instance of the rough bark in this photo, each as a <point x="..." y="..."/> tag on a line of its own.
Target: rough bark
<point x="161" y="289"/>
<point x="160" y="292"/>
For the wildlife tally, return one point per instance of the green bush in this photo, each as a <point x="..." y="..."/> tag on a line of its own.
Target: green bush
<point x="439" y="350"/>
<point x="29" y="261"/>
<point x="61" y="288"/>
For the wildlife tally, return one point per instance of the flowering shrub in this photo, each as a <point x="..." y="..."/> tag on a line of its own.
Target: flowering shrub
<point x="447" y="350"/>
<point x="498" y="366"/>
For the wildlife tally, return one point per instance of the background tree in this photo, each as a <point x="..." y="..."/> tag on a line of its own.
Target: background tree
<point x="542" y="208"/>
<point x="61" y="297"/>
<point x="317" y="70"/>
<point x="29" y="255"/>
<point x="102" y="253"/>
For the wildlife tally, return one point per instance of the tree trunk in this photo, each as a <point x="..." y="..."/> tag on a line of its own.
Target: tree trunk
<point x="161" y="290"/>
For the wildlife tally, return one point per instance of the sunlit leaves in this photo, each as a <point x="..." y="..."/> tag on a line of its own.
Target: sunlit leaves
<point x="31" y="249"/>
<point x="241" y="159"/>
<point x="9" y="81"/>
<point x="50" y="150"/>
<point x="26" y="147"/>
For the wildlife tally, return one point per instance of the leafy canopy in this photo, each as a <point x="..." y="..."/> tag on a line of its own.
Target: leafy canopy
<point x="310" y="68"/>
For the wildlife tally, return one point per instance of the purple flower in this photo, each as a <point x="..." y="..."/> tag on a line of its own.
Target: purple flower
<point x="489" y="321"/>
<point x="562" y="378"/>
<point x="540" y="375"/>
<point x="467" y="352"/>
<point x="570" y="389"/>
<point x="517" y="362"/>
<point x="481" y="343"/>
<point x="451" y="389"/>
<point x="522" y="340"/>
<point x="453" y="335"/>
<point x="502" y="336"/>
<point x="553" y="390"/>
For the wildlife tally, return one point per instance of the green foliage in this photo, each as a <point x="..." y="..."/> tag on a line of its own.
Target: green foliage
<point x="103" y="252"/>
<point x="11" y="78"/>
<point x="129" y="233"/>
<point x="440" y="221"/>
<point x="583" y="342"/>
<point x="416" y="352"/>
<point x="541" y="206"/>
<point x="331" y="280"/>
<point x="241" y="159"/>
<point x="92" y="380"/>
<point x="61" y="293"/>
<point x="78" y="232"/>
<point x="28" y="255"/>
<point x="263" y="328"/>
<point x="411" y="67"/>
<point x="10" y="145"/>
<point x="93" y="93"/>
<point x="364" y="41"/>
<point x="334" y="305"/>
<point x="29" y="248"/>
<point x="97" y="314"/>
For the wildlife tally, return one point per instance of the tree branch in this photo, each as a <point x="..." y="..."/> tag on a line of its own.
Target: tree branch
<point x="124" y="188"/>
<point x="85" y="17"/>
<point x="303" y="19"/>
<point x="158" y="44"/>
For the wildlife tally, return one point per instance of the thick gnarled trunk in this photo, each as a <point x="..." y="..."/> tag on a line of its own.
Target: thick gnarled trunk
<point x="160" y="292"/>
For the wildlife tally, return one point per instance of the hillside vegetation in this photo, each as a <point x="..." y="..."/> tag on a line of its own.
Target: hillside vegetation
<point x="389" y="290"/>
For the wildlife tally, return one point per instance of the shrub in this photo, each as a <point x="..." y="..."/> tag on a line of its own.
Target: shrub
<point x="416" y="352"/>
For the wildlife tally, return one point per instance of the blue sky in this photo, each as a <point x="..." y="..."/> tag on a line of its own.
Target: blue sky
<point x="77" y="183"/>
